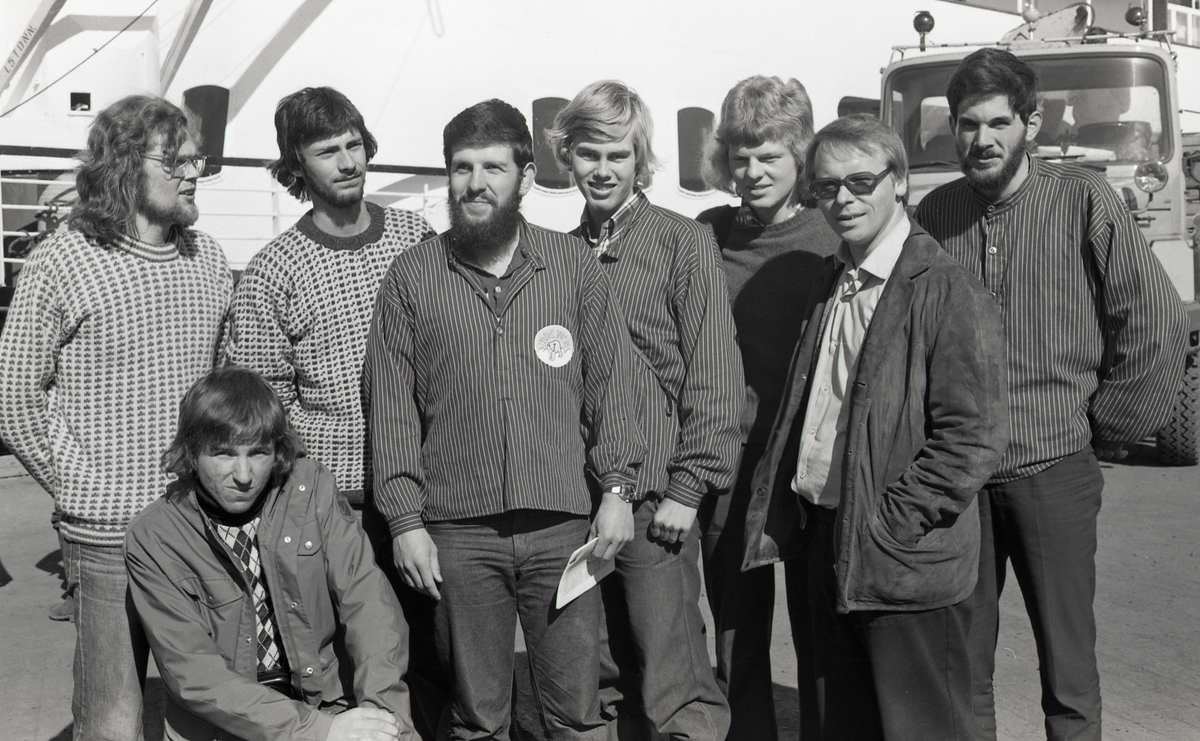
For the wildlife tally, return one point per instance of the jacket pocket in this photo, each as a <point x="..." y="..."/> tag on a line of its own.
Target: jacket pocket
<point x="219" y="601"/>
<point x="939" y="569"/>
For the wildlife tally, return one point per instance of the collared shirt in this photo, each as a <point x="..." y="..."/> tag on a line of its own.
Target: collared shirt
<point x="1093" y="326"/>
<point x="477" y="409"/>
<point x="609" y="229"/>
<point x="667" y="274"/>
<point x="498" y="288"/>
<point x="817" y="478"/>
<point x="746" y="218"/>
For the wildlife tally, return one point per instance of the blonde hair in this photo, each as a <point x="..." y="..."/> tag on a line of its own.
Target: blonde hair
<point x="605" y="111"/>
<point x="757" y="110"/>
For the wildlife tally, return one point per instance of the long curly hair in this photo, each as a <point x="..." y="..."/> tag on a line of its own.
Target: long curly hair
<point x="110" y="177"/>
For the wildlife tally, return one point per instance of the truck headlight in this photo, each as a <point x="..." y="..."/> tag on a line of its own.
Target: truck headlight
<point x="1150" y="177"/>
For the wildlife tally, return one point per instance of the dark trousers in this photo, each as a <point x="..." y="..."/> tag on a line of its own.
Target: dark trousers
<point x="429" y="683"/>
<point x="742" y="606"/>
<point x="1046" y="525"/>
<point x="898" y="676"/>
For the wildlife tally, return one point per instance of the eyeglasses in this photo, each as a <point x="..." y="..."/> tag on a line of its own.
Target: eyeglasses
<point x="178" y="167"/>
<point x="858" y="183"/>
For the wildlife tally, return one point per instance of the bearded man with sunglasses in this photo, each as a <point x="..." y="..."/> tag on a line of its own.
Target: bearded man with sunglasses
<point x="111" y="323"/>
<point x="895" y="414"/>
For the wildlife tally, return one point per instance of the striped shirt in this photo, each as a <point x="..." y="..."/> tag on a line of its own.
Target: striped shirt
<point x="667" y="274"/>
<point x="1094" y="329"/>
<point x="474" y="412"/>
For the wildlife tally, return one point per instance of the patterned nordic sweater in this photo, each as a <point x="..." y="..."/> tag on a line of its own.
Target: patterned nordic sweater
<point x="100" y="344"/>
<point x="300" y="317"/>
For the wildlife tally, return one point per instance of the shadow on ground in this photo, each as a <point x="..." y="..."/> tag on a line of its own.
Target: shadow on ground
<point x="52" y="564"/>
<point x="1141" y="455"/>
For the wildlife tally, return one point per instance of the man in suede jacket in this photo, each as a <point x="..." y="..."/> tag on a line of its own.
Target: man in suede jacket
<point x="894" y="416"/>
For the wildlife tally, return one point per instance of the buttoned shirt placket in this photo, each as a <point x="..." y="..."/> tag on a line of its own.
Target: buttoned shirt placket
<point x="994" y="257"/>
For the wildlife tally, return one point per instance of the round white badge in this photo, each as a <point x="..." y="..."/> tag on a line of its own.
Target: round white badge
<point x="554" y="345"/>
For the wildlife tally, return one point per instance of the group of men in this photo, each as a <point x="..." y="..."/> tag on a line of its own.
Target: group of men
<point x="894" y="406"/>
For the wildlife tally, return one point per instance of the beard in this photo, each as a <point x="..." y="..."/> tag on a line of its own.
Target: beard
<point x="991" y="181"/>
<point x="181" y="215"/>
<point x="335" y="198"/>
<point x="482" y="242"/>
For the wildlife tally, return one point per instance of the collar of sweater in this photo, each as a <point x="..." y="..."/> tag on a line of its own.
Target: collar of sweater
<point x="152" y="252"/>
<point x="372" y="234"/>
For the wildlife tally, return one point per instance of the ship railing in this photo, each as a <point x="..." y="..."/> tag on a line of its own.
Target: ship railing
<point x="36" y="199"/>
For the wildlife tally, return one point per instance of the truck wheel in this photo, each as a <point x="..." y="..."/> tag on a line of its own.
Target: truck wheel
<point x="1179" y="440"/>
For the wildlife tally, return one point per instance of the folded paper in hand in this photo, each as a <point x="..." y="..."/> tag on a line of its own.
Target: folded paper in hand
<point x="582" y="573"/>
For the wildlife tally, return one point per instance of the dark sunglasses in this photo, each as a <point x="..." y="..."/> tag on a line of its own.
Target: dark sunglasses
<point x="858" y="183"/>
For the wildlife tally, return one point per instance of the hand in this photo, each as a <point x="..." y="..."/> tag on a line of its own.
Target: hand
<point x="613" y="526"/>
<point x="417" y="559"/>
<point x="1108" y="451"/>
<point x="672" y="522"/>
<point x="364" y="724"/>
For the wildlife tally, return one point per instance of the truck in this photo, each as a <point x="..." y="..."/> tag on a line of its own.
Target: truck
<point x="1109" y="101"/>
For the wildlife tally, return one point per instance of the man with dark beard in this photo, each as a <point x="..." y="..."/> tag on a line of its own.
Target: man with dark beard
<point x="111" y="323"/>
<point x="1094" y="334"/>
<point x="498" y="371"/>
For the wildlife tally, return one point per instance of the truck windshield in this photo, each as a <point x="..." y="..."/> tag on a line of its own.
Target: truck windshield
<point x="1095" y="108"/>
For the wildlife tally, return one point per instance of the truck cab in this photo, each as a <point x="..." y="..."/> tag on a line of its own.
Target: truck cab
<point x="1108" y="102"/>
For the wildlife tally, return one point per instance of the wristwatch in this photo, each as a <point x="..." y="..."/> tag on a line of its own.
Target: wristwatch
<point x="627" y="494"/>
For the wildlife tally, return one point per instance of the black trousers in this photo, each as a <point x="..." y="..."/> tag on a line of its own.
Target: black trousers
<point x="899" y="676"/>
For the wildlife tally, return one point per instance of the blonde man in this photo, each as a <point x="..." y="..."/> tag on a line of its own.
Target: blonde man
<point x="666" y="274"/>
<point x="771" y="248"/>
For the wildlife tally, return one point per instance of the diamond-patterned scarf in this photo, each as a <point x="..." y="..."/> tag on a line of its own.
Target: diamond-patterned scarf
<point x="243" y="541"/>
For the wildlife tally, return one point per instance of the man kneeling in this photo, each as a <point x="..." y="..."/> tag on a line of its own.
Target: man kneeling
<point x="242" y="573"/>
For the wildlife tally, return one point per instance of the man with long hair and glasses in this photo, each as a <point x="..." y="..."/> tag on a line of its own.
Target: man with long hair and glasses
<point x="112" y="321"/>
<point x="244" y="571"/>
<point x="893" y="417"/>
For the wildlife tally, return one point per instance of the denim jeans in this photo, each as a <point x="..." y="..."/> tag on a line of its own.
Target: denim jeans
<point x="1046" y="524"/>
<point x="655" y="637"/>
<point x="495" y="569"/>
<point x="742" y="605"/>
<point x="110" y="647"/>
